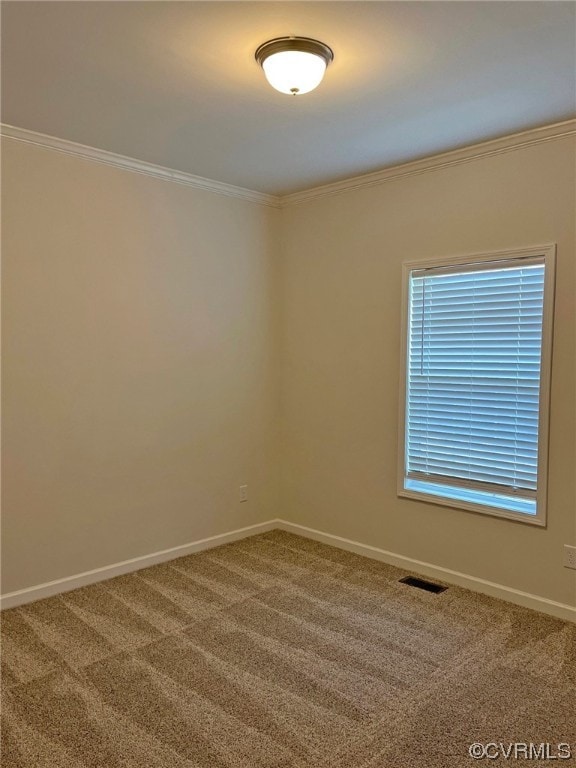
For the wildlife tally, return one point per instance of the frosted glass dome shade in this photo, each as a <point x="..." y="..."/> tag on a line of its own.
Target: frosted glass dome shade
<point x="294" y="65"/>
<point x="294" y="72"/>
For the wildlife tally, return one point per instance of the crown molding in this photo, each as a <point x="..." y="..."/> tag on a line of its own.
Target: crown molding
<point x="137" y="166"/>
<point x="431" y="163"/>
<point x="436" y="162"/>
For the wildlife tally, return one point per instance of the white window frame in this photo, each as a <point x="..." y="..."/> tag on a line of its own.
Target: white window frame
<point x="548" y="254"/>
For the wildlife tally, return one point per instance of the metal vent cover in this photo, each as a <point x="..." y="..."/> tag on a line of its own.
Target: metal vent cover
<point x="428" y="586"/>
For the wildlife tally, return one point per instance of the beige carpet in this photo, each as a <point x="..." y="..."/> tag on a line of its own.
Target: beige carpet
<point x="279" y="651"/>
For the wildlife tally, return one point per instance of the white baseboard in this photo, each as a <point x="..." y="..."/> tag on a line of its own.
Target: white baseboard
<point x="473" y="583"/>
<point x="525" y="599"/>
<point x="51" y="588"/>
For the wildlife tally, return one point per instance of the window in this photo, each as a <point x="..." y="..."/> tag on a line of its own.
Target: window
<point x="477" y="353"/>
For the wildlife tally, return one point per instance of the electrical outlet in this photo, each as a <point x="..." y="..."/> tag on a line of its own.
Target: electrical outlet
<point x="243" y="493"/>
<point x="569" y="556"/>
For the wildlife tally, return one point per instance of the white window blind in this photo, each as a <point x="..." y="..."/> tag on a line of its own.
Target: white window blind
<point x="473" y="382"/>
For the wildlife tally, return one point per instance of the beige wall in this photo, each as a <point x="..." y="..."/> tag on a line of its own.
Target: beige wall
<point x="143" y="350"/>
<point x="341" y="280"/>
<point x="139" y="364"/>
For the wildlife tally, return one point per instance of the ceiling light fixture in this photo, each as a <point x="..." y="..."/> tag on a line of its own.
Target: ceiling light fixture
<point x="294" y="65"/>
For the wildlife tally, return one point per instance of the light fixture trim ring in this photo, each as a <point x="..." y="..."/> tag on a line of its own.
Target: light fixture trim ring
<point x="303" y="44"/>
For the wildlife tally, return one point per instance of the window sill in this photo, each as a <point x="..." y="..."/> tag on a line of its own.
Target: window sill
<point x="456" y="499"/>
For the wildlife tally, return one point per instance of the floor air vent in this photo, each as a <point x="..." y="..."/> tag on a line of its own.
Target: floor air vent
<point x="429" y="586"/>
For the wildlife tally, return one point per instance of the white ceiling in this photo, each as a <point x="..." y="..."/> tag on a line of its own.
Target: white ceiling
<point x="175" y="83"/>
